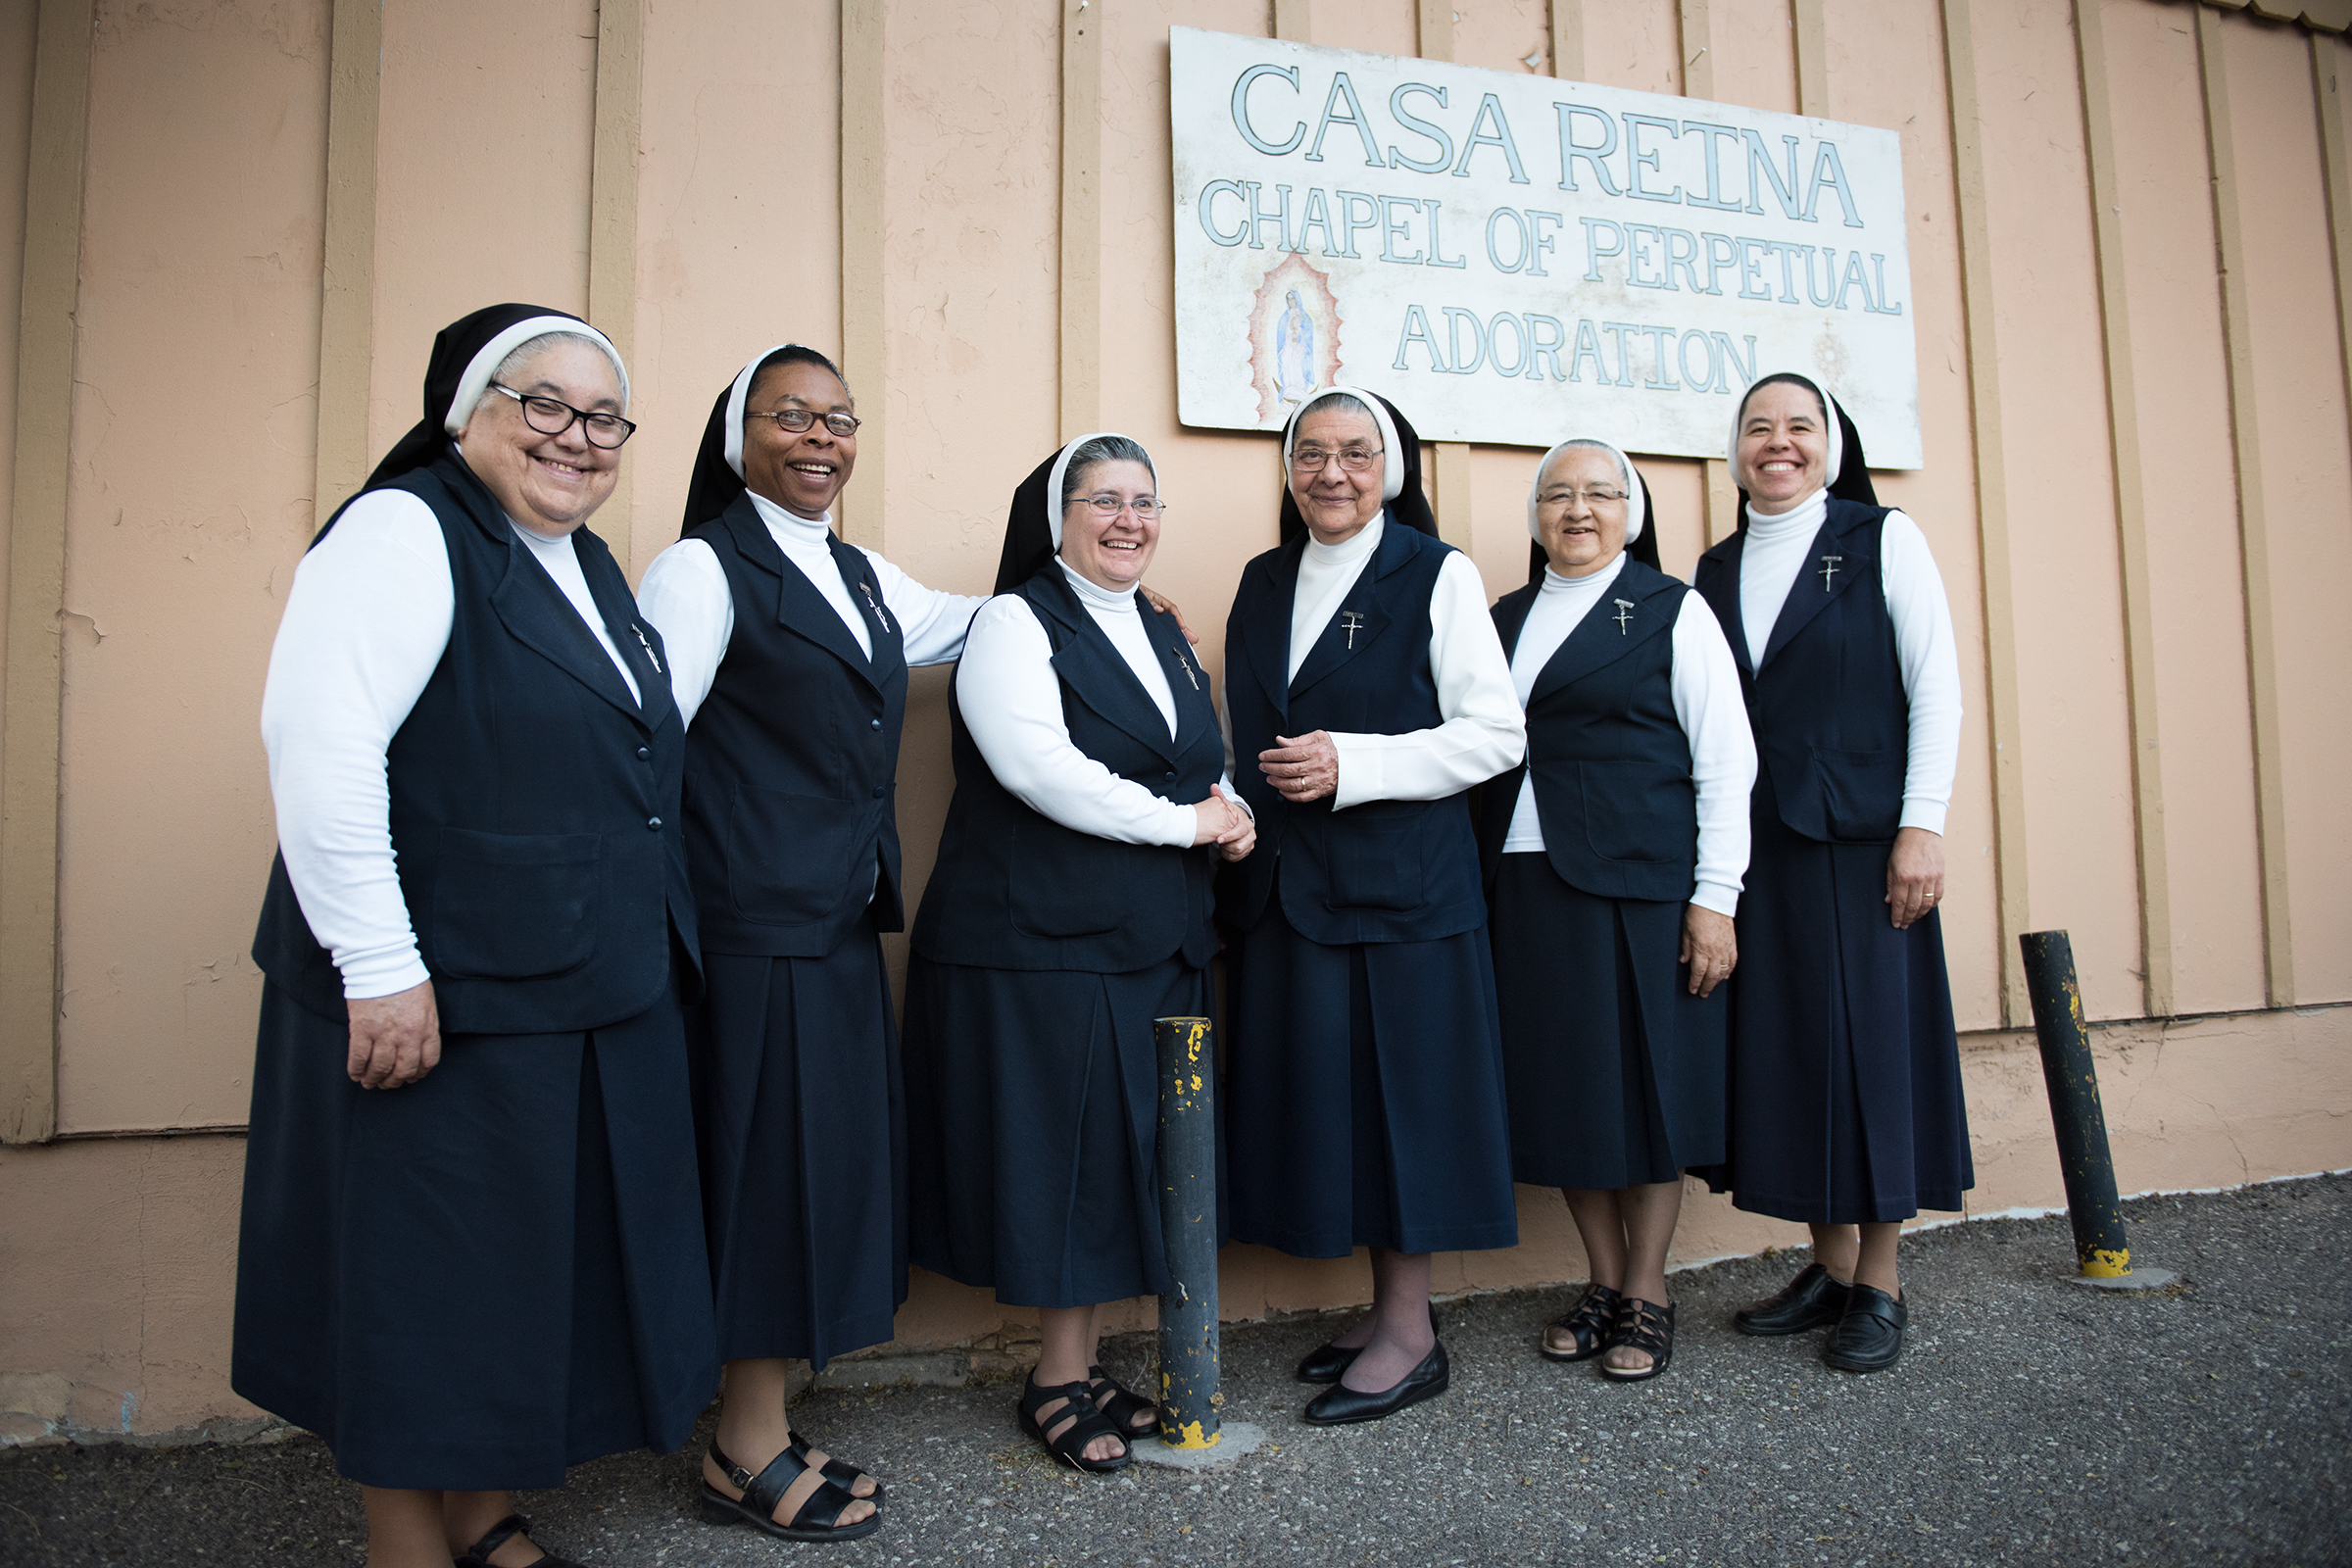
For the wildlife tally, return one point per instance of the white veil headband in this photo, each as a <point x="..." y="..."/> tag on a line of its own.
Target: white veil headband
<point x="1636" y="513"/>
<point x="1061" y="468"/>
<point x="1392" y="462"/>
<point x="484" y="365"/>
<point x="1829" y="409"/>
<point x="739" y="394"/>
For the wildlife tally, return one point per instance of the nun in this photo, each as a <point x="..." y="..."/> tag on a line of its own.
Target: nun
<point x="1845" y="1104"/>
<point x="789" y="650"/>
<point x="1367" y="694"/>
<point x="470" y="1251"/>
<point x="1614" y="859"/>
<point x="1070" y="905"/>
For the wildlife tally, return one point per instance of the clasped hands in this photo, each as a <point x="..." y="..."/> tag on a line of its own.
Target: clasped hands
<point x="1224" y="822"/>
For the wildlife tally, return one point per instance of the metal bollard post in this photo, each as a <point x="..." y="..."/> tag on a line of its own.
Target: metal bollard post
<point x="2102" y="1250"/>
<point x="1188" y="1199"/>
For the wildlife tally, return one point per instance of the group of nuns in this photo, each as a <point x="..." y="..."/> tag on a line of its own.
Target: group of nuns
<point x="578" y="1092"/>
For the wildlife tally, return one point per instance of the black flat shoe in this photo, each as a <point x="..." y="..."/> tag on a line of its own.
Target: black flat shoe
<point x="1342" y="1405"/>
<point x="1869" y="1338"/>
<point x="1807" y="1302"/>
<point x="477" y="1555"/>
<point x="1587" y="1324"/>
<point x="1328" y="1362"/>
<point x="1641" y="1326"/>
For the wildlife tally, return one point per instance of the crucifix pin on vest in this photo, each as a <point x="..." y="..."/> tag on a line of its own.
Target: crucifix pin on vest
<point x="1351" y="620"/>
<point x="648" y="648"/>
<point x="1829" y="569"/>
<point x="1188" y="667"/>
<point x="1625" y="614"/>
<point x="875" y="604"/>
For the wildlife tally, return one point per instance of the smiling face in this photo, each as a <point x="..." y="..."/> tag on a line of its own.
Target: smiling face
<point x="1783" y="450"/>
<point x="1579" y="534"/>
<point x="1334" y="503"/>
<point x="549" y="484"/>
<point x="800" y="470"/>
<point x="1115" y="551"/>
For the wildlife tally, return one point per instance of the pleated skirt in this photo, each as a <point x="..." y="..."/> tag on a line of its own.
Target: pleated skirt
<point x="1615" y="1071"/>
<point x="1033" y="1127"/>
<point x="1364" y="1095"/>
<point x="1845" y="1099"/>
<point x="803" y="1130"/>
<point x="479" y="1279"/>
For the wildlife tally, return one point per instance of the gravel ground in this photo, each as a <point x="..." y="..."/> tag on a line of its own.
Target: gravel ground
<point x="2028" y="1422"/>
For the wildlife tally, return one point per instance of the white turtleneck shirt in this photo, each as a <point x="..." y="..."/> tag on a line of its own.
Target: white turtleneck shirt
<point x="1706" y="689"/>
<point x="1778" y="554"/>
<point x="685" y="595"/>
<point x="1011" y="702"/>
<point x="367" y="618"/>
<point x="1483" y="731"/>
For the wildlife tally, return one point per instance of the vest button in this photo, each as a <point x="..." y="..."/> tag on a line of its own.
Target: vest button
<point x="1171" y="772"/>
<point x="644" y="753"/>
<point x="878" y="791"/>
<point x="653" y="823"/>
<point x="877" y="723"/>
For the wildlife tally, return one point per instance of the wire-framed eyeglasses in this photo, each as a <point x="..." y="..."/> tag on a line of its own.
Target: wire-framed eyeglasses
<point x="1591" y="497"/>
<point x="1146" y="508"/>
<point x="553" y="417"/>
<point x="1355" y="460"/>
<point x="795" y="420"/>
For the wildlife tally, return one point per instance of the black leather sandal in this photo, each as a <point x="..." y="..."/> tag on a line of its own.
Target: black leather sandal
<point x="477" y="1555"/>
<point x="1122" y="1405"/>
<point x="840" y="1472"/>
<point x="1075" y="1425"/>
<point x="1641" y="1326"/>
<point x="812" y="1520"/>
<point x="1586" y="1323"/>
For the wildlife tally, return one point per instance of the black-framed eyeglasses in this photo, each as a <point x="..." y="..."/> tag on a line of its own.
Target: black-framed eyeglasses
<point x="795" y="420"/>
<point x="553" y="417"/>
<point x="1355" y="460"/>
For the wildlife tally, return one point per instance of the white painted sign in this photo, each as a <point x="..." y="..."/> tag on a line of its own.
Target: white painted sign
<point x="1516" y="259"/>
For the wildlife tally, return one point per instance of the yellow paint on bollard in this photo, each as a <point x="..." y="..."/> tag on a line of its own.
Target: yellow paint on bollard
<point x="2102" y="1264"/>
<point x="1188" y="1436"/>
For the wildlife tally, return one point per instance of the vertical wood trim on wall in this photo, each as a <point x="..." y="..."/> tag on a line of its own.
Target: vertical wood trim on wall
<point x="1568" y="39"/>
<point x="1081" y="219"/>
<point x="33" y="679"/>
<point x="2130" y="517"/>
<point x="1293" y="20"/>
<point x="613" y="215"/>
<point x="347" y="287"/>
<point x="1812" y="57"/>
<point x="1993" y="507"/>
<point x="1698" y="48"/>
<point x="2327" y="91"/>
<point x="861" y="240"/>
<point x="2253" y="517"/>
<point x="1449" y="461"/>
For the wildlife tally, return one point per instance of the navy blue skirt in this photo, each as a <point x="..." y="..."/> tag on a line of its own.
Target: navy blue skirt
<point x="1033" y="1127"/>
<point x="804" y="1148"/>
<point x="1364" y="1096"/>
<point x="479" y="1279"/>
<point x="1615" y="1070"/>
<point x="1845" y="1094"/>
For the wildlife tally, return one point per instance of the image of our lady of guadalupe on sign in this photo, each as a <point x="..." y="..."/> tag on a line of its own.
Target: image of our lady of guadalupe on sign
<point x="1294" y="338"/>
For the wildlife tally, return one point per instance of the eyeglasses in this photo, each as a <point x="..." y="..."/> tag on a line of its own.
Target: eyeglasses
<point x="1355" y="460"/>
<point x="554" y="417"/>
<point x="1591" y="498"/>
<point x="795" y="420"/>
<point x="1146" y="508"/>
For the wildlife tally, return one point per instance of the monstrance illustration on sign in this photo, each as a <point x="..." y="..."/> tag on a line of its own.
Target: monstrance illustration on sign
<point x="1293" y="336"/>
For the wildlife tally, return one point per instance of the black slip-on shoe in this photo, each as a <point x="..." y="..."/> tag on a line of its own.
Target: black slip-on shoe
<point x="1341" y="1405"/>
<point x="1869" y="1338"/>
<point x="1328" y="1362"/>
<point x="1810" y="1301"/>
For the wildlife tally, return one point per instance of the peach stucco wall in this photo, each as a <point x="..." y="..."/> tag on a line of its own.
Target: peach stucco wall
<point x="192" y="470"/>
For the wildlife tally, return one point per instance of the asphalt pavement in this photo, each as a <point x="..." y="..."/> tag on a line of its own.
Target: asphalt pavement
<point x="2029" y="1421"/>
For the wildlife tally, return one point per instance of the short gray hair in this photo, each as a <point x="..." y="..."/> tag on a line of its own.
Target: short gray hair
<point x="1101" y="448"/>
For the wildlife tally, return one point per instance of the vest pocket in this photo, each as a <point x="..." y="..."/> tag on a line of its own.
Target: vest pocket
<point x="1375" y="861"/>
<point x="788" y="856"/>
<point x="1638" y="811"/>
<point x="1055" y="892"/>
<point x="1861" y="793"/>
<point x="514" y="907"/>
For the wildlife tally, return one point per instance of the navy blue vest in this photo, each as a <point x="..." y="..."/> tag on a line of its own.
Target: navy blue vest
<point x="1015" y="890"/>
<point x="1612" y="762"/>
<point x="792" y="763"/>
<point x="534" y="803"/>
<point x="1384" y="871"/>
<point x="1832" y="724"/>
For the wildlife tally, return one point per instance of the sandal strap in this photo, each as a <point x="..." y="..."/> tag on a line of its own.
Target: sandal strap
<point x="498" y="1535"/>
<point x="1643" y="1326"/>
<point x="1086" y="1422"/>
<point x="837" y="1470"/>
<point x="1125" y="1404"/>
<point x="765" y="1491"/>
<point x="1591" y="1316"/>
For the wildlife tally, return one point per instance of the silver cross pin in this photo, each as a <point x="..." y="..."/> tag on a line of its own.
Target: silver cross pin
<point x="875" y="604"/>
<point x="648" y="647"/>
<point x="1625" y="613"/>
<point x="1351" y="620"/>
<point x="1188" y="667"/>
<point x="1829" y="569"/>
